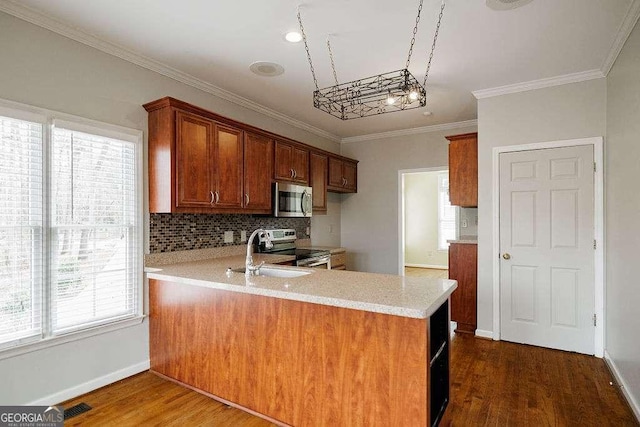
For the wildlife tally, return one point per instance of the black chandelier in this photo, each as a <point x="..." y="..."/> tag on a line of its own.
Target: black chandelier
<point x="383" y="93"/>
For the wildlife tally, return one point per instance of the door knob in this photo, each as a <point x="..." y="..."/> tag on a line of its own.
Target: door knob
<point x="506" y="256"/>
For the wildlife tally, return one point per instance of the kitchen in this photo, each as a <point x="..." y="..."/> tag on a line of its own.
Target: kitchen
<point x="52" y="71"/>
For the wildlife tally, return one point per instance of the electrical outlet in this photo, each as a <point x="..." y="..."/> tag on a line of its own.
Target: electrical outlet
<point x="465" y="224"/>
<point x="228" y="236"/>
<point x="243" y="236"/>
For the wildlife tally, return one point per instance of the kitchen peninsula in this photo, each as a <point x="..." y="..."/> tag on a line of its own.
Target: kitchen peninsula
<point x="324" y="348"/>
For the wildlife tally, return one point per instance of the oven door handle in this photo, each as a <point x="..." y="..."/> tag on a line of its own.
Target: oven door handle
<point x="315" y="264"/>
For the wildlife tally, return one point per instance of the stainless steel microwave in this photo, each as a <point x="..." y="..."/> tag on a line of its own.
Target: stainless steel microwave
<point x="292" y="200"/>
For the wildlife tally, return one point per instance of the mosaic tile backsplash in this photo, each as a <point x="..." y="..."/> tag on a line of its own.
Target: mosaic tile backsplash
<point x="181" y="232"/>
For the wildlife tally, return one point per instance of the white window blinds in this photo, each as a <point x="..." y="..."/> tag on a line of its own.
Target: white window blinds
<point x="21" y="230"/>
<point x="446" y="214"/>
<point x="70" y="218"/>
<point x="93" y="230"/>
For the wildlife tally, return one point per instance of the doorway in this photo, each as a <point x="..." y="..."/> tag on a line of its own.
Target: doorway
<point x="426" y="220"/>
<point x="549" y="211"/>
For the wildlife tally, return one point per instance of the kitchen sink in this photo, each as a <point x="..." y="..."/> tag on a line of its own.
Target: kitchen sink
<point x="275" y="272"/>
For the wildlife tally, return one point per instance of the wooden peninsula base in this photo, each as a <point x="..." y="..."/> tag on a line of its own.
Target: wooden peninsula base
<point x="299" y="363"/>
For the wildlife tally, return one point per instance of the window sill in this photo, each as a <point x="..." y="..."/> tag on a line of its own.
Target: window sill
<point x="18" y="350"/>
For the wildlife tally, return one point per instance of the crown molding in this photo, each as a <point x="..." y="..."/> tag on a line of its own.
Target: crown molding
<point x="539" y="84"/>
<point x="628" y="23"/>
<point x="41" y="20"/>
<point x="412" y="131"/>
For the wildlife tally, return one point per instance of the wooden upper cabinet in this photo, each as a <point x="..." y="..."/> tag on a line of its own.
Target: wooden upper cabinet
<point x="343" y="175"/>
<point x="463" y="170"/>
<point x="258" y="167"/>
<point x="194" y="153"/>
<point x="318" y="169"/>
<point x="291" y="163"/>
<point x="227" y="166"/>
<point x="201" y="162"/>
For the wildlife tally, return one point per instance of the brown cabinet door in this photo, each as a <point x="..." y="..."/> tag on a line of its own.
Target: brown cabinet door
<point x="463" y="170"/>
<point x="349" y="170"/>
<point x="283" y="161"/>
<point x="463" y="268"/>
<point x="300" y="164"/>
<point x="258" y="170"/>
<point x="194" y="154"/>
<point x="335" y="172"/>
<point x="343" y="175"/>
<point x="318" y="172"/>
<point x="228" y="161"/>
<point x="291" y="163"/>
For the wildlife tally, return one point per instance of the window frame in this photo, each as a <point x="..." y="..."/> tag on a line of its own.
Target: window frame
<point x="48" y="119"/>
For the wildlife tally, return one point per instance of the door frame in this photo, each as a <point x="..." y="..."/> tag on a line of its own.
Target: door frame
<point x="599" y="266"/>
<point x="401" y="224"/>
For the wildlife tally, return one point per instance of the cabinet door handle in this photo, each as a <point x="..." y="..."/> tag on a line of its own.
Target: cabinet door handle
<point x="246" y="195"/>
<point x="291" y="172"/>
<point x="217" y="197"/>
<point x="295" y="174"/>
<point x="212" y="197"/>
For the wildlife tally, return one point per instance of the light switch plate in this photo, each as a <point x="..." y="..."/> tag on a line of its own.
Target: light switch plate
<point x="243" y="236"/>
<point x="465" y="224"/>
<point x="228" y="236"/>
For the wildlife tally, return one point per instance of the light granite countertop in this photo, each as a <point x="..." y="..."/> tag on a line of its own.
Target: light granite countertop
<point x="415" y="297"/>
<point x="471" y="240"/>
<point x="332" y="249"/>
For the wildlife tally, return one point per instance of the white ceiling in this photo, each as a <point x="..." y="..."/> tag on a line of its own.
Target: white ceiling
<point x="479" y="48"/>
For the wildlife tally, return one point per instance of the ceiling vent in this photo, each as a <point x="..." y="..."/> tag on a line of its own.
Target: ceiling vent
<point x="506" y="4"/>
<point x="266" y="69"/>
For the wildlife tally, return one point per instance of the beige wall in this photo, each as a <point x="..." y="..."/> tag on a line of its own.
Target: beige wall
<point x="370" y="217"/>
<point x="622" y="190"/>
<point x="46" y="70"/>
<point x="563" y="112"/>
<point x="421" y="221"/>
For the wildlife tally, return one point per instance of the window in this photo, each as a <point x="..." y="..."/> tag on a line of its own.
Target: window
<point x="446" y="214"/>
<point x="70" y="247"/>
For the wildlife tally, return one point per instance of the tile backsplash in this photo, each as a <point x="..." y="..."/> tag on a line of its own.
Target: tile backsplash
<point x="180" y="232"/>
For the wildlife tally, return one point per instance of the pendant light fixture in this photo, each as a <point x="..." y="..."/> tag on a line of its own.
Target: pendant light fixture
<point x="383" y="93"/>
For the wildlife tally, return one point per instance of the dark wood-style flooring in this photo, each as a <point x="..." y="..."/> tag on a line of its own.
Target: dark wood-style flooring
<point x="493" y="384"/>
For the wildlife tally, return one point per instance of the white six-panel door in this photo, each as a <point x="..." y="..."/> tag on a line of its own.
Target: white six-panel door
<point x="547" y="283"/>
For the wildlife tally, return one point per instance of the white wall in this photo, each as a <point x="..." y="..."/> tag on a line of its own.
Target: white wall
<point x="622" y="176"/>
<point x="44" y="69"/>
<point x="563" y="112"/>
<point x="421" y="221"/>
<point x="370" y="217"/>
<point x="325" y="228"/>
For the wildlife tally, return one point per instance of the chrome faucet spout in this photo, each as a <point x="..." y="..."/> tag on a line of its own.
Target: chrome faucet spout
<point x="250" y="268"/>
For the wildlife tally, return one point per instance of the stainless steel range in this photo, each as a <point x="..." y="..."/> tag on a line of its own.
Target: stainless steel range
<point x="284" y="243"/>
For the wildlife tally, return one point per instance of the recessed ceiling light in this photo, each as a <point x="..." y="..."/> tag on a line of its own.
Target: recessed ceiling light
<point x="427" y="113"/>
<point x="266" y="69"/>
<point x="293" y="36"/>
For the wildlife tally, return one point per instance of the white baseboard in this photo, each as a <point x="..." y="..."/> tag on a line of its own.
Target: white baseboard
<point x="80" y="389"/>
<point x="622" y="384"/>
<point x="484" y="334"/>
<point x="436" y="267"/>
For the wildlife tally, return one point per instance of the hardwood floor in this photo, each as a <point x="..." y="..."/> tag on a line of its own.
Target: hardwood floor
<point x="148" y="400"/>
<point x="496" y="383"/>
<point x="493" y="384"/>
<point x="426" y="272"/>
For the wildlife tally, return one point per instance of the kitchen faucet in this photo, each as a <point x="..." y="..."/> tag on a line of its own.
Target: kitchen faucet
<point x="250" y="269"/>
